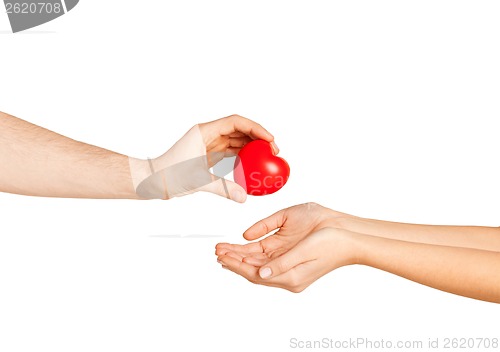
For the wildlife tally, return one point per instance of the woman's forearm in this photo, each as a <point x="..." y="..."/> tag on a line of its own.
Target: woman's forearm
<point x="35" y="161"/>
<point x="478" y="237"/>
<point x="464" y="271"/>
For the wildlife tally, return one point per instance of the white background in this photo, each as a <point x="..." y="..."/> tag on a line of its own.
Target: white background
<point x="384" y="109"/>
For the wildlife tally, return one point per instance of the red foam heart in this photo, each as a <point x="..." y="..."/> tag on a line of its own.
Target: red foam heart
<point x="258" y="170"/>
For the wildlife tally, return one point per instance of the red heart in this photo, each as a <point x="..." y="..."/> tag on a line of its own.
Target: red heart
<point x="258" y="170"/>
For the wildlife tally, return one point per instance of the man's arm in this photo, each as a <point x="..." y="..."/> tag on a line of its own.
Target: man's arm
<point x="36" y="161"/>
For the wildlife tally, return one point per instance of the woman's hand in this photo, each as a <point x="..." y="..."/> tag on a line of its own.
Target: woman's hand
<point x="294" y="224"/>
<point x="292" y="265"/>
<point x="313" y="240"/>
<point x="305" y="242"/>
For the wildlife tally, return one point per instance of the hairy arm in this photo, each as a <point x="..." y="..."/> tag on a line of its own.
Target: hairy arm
<point x="38" y="162"/>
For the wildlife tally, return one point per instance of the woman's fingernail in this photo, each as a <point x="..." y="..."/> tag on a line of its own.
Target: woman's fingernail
<point x="265" y="273"/>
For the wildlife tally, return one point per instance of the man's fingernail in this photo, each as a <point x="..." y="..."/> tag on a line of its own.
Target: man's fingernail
<point x="275" y="148"/>
<point x="239" y="196"/>
<point x="265" y="272"/>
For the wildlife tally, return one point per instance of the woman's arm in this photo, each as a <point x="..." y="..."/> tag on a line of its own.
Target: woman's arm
<point x="478" y="237"/>
<point x="463" y="271"/>
<point x="467" y="272"/>
<point x="313" y="240"/>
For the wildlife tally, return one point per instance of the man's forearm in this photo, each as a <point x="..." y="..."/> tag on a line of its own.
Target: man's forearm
<point x="478" y="237"/>
<point x="38" y="162"/>
<point x="463" y="271"/>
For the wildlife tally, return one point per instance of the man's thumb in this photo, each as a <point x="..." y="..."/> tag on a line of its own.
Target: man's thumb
<point x="227" y="189"/>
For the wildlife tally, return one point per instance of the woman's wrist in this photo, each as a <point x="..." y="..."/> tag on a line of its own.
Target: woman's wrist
<point x="345" y="248"/>
<point x="338" y="220"/>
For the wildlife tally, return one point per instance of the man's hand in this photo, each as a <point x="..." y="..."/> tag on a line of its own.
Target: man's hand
<point x="228" y="135"/>
<point x="185" y="168"/>
<point x="37" y="162"/>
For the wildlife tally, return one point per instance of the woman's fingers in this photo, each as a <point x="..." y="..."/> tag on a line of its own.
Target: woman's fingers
<point x="257" y="261"/>
<point x="235" y="255"/>
<point x="264" y="226"/>
<point x="247" y="249"/>
<point x="294" y="280"/>
<point x="287" y="261"/>
<point x="246" y="270"/>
